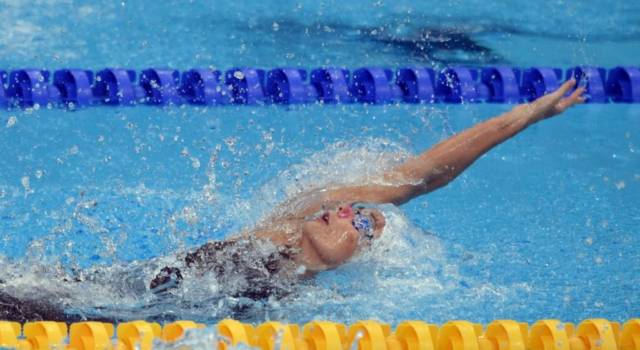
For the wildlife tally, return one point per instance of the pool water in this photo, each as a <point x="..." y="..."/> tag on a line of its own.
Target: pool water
<point x="544" y="226"/>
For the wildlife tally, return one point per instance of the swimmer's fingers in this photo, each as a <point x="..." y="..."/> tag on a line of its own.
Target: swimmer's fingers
<point x="555" y="102"/>
<point x="548" y="102"/>
<point x="564" y="88"/>
<point x="575" y="98"/>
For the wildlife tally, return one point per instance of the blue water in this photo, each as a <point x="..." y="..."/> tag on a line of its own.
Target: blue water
<point x="544" y="226"/>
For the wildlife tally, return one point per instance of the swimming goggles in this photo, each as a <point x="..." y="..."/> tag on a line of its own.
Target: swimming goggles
<point x="364" y="224"/>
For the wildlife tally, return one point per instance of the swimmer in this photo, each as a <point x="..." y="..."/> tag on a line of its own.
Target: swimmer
<point x="327" y="227"/>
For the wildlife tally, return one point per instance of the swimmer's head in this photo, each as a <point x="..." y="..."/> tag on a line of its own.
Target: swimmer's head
<point x="350" y="222"/>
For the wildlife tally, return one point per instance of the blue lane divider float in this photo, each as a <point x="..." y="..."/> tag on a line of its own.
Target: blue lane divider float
<point x="31" y="88"/>
<point x="246" y="85"/>
<point x="375" y="85"/>
<point x="203" y="87"/>
<point x="74" y="86"/>
<point x="289" y="86"/>
<point x="623" y="84"/>
<point x="593" y="77"/>
<point x="538" y="81"/>
<point x="502" y="84"/>
<point x="332" y="85"/>
<point x="417" y="85"/>
<point x="161" y="86"/>
<point x="458" y="85"/>
<point x="117" y="87"/>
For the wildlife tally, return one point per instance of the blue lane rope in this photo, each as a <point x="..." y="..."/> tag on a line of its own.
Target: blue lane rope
<point x="29" y="88"/>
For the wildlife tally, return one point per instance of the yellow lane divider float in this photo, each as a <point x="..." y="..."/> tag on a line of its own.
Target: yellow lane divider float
<point x="592" y="334"/>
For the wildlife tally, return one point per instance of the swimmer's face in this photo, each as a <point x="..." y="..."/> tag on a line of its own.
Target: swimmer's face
<point x="344" y="224"/>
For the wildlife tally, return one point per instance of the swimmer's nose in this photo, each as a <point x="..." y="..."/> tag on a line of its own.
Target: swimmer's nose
<point x="345" y="212"/>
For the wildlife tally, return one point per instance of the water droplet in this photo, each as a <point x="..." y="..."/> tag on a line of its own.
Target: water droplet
<point x="11" y="121"/>
<point x="26" y="184"/>
<point x="195" y="163"/>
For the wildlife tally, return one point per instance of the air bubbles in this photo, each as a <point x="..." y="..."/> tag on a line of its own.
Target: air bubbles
<point x="275" y="26"/>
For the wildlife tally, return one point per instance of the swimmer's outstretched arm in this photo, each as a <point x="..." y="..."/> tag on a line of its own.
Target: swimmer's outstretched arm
<point x="442" y="163"/>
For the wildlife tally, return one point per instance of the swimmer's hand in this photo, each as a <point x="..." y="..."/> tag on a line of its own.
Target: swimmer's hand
<point x="554" y="103"/>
